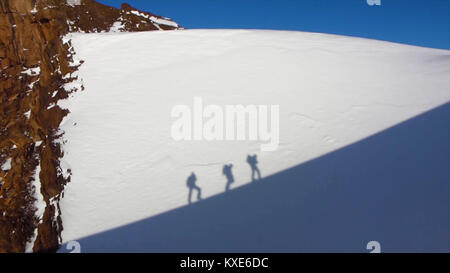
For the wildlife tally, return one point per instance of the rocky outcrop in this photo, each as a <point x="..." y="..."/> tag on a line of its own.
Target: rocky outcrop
<point x="36" y="66"/>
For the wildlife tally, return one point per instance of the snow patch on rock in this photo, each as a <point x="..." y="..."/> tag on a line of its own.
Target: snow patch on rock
<point x="73" y="3"/>
<point x="40" y="205"/>
<point x="7" y="165"/>
<point x="117" y="26"/>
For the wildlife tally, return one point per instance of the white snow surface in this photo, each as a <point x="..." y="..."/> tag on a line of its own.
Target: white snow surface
<point x="332" y="91"/>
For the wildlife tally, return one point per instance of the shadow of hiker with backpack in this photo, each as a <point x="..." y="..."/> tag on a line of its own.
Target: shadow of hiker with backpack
<point x="192" y="186"/>
<point x="253" y="162"/>
<point x="229" y="175"/>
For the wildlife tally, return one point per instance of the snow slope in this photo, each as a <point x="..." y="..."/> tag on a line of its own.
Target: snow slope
<point x="332" y="91"/>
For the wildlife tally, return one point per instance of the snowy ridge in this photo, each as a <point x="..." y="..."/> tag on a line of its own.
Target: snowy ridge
<point x="332" y="91"/>
<point x="156" y="20"/>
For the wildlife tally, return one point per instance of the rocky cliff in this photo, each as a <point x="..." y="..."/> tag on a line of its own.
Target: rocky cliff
<point x="36" y="66"/>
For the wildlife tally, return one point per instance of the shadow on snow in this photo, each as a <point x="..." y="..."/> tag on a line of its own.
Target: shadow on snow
<point x="392" y="187"/>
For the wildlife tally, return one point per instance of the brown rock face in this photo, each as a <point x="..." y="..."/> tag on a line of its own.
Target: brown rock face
<point x="35" y="64"/>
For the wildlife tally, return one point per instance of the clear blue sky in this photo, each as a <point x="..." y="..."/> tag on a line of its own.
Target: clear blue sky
<point x="416" y="22"/>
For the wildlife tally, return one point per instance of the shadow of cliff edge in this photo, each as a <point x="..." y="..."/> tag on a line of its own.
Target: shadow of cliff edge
<point x="392" y="187"/>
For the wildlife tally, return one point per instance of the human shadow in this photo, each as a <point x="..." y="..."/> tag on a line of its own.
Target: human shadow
<point x="252" y="160"/>
<point x="391" y="187"/>
<point x="191" y="184"/>
<point x="229" y="175"/>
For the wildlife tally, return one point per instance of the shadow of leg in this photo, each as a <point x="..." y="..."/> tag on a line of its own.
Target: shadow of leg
<point x="199" y="193"/>
<point x="190" y="196"/>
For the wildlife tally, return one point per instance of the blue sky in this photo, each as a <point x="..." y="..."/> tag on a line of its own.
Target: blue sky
<point x="416" y="22"/>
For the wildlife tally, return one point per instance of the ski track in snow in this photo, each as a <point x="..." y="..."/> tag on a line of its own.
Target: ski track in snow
<point x="332" y="91"/>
